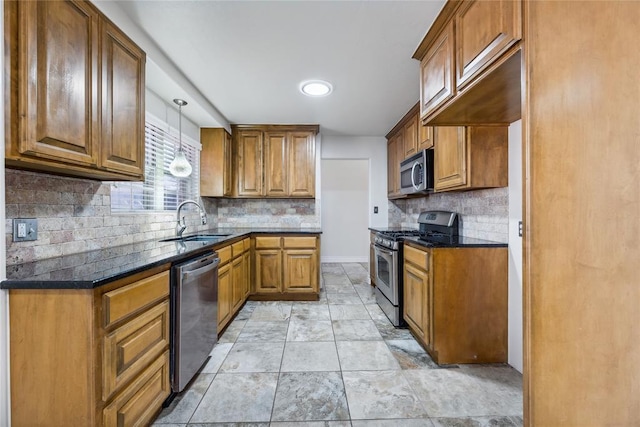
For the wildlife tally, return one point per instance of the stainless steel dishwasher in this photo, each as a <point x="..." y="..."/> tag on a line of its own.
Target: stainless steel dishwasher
<point x="194" y="316"/>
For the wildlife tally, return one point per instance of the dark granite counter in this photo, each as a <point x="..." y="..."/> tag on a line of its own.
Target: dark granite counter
<point x="386" y="229"/>
<point x="92" y="269"/>
<point x="457" y="242"/>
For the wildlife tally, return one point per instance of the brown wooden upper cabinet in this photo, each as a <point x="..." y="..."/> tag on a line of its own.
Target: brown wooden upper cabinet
<point x="425" y="137"/>
<point x="76" y="92"/>
<point x="275" y="161"/>
<point x="484" y="30"/>
<point x="470" y="64"/>
<point x="406" y="138"/>
<point x="470" y="157"/>
<point x="436" y="73"/>
<point x="395" y="150"/>
<point x="216" y="160"/>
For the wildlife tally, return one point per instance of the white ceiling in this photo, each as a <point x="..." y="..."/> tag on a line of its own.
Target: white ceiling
<point x="247" y="58"/>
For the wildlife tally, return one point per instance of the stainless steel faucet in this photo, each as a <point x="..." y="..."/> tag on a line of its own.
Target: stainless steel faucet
<point x="180" y="227"/>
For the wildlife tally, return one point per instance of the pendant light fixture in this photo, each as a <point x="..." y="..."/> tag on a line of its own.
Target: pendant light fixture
<point x="180" y="166"/>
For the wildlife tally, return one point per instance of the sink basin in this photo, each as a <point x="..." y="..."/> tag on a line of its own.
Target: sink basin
<point x="197" y="238"/>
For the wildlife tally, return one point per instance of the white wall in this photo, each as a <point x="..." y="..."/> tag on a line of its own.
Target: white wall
<point x="167" y="110"/>
<point x="373" y="149"/>
<point x="345" y="196"/>
<point x="515" y="246"/>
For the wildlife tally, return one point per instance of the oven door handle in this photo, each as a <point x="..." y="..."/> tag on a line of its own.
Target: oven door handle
<point x="384" y="251"/>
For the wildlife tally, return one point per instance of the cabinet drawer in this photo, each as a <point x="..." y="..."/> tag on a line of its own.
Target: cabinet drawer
<point x="127" y="300"/>
<point x="247" y="244"/>
<point x="416" y="257"/>
<point x="224" y="254"/>
<point x="265" y="242"/>
<point x="132" y="347"/>
<point x="138" y="404"/>
<point x="237" y="249"/>
<point x="300" y="242"/>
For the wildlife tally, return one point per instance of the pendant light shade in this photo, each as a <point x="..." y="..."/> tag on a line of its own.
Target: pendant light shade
<point x="180" y="166"/>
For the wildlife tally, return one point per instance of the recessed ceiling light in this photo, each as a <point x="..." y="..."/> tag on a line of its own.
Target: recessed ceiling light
<point x="316" y="88"/>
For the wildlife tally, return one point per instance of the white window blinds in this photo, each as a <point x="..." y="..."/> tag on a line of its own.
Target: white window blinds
<point x="160" y="190"/>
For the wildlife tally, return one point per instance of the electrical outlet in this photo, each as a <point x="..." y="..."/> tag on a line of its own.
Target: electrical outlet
<point x="25" y="229"/>
<point x="520" y="228"/>
<point x="22" y="229"/>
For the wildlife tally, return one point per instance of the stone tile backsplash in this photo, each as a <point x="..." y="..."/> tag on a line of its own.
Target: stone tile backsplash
<point x="484" y="214"/>
<point x="74" y="215"/>
<point x="265" y="213"/>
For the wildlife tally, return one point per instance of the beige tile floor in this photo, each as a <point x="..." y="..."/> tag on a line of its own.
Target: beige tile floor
<point x="338" y="362"/>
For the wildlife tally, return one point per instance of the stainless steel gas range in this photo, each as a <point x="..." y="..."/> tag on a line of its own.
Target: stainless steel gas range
<point x="435" y="228"/>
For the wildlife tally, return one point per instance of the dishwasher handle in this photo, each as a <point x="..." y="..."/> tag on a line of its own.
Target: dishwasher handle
<point x="207" y="264"/>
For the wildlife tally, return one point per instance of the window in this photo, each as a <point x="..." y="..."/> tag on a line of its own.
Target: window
<point x="160" y="190"/>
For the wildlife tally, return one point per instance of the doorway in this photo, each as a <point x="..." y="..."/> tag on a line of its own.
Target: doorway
<point x="345" y="201"/>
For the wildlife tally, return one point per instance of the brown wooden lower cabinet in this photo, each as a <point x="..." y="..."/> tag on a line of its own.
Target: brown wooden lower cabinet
<point x="224" y="295"/>
<point x="284" y="267"/>
<point x="233" y="280"/>
<point x="91" y="357"/>
<point x="287" y="267"/>
<point x="455" y="302"/>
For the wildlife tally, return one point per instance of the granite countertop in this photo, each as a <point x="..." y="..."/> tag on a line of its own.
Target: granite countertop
<point x="385" y="229"/>
<point x="93" y="269"/>
<point x="458" y="242"/>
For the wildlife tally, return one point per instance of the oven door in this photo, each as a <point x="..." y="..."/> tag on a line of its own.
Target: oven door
<point x="386" y="273"/>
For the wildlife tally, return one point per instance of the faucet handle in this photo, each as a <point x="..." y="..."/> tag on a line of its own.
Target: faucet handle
<point x="204" y="219"/>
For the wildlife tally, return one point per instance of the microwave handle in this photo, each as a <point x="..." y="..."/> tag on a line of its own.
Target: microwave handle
<point x="413" y="181"/>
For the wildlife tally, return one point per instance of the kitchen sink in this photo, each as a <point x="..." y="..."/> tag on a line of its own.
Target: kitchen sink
<point x="197" y="238"/>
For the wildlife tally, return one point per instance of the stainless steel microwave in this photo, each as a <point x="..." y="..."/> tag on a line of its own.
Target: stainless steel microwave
<point x="416" y="173"/>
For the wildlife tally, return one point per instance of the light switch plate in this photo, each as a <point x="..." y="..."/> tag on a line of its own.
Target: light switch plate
<point x="25" y="229"/>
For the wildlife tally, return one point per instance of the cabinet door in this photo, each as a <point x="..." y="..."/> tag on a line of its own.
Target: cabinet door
<point x="395" y="155"/>
<point x="139" y="403"/>
<point x="268" y="271"/>
<point x="484" y="30"/>
<point x="249" y="163"/>
<point x="391" y="160"/>
<point x="302" y="164"/>
<point x="450" y="157"/>
<point x="224" y="295"/>
<point x="58" y="78"/>
<point x="247" y="274"/>
<point x="300" y="270"/>
<point x="410" y="137"/>
<point x="228" y="165"/>
<point x="425" y="137"/>
<point x="237" y="281"/>
<point x="275" y="164"/>
<point x="416" y="300"/>
<point x="123" y="85"/>
<point x="436" y="73"/>
<point x="133" y="346"/>
<point x="399" y="158"/>
<point x="215" y="162"/>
